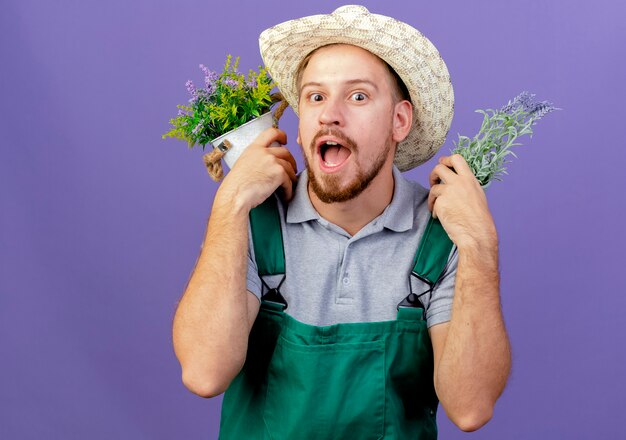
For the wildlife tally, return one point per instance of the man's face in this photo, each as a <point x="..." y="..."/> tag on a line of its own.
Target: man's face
<point x="346" y="127"/>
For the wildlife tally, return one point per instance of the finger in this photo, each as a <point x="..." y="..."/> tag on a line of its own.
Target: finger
<point x="288" y="167"/>
<point x="285" y="154"/>
<point x="288" y="178"/>
<point x="441" y="173"/>
<point x="435" y="192"/>
<point x="268" y="136"/>
<point x="458" y="163"/>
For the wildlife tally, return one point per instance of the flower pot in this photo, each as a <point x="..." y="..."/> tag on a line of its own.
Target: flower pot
<point x="242" y="136"/>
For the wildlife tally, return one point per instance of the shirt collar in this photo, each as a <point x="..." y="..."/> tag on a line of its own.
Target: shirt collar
<point x="397" y="216"/>
<point x="400" y="213"/>
<point x="300" y="208"/>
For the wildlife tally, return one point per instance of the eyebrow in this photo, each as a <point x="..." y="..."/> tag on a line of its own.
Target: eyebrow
<point x="349" y="82"/>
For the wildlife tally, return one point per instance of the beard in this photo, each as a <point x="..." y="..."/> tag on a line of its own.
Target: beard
<point x="327" y="187"/>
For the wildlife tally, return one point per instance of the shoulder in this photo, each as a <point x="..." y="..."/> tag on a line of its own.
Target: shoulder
<point x="409" y="188"/>
<point x="418" y="192"/>
<point x="410" y="199"/>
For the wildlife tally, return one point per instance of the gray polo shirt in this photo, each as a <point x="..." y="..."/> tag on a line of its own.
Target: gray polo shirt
<point x="333" y="277"/>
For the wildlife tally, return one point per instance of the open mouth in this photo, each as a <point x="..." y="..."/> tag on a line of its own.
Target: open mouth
<point x="333" y="154"/>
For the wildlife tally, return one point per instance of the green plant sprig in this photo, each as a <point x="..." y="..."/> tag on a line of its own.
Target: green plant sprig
<point x="486" y="153"/>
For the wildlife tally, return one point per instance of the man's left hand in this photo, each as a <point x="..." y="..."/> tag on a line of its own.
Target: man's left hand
<point x="459" y="202"/>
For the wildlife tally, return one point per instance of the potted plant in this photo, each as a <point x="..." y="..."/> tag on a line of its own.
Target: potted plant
<point x="228" y="112"/>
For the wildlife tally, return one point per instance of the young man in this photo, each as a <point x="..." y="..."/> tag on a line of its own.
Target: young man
<point x="340" y="347"/>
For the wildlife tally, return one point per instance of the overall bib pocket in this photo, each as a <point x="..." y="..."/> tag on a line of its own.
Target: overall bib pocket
<point x="337" y="390"/>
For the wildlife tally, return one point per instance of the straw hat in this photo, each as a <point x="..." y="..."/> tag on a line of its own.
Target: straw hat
<point x="404" y="48"/>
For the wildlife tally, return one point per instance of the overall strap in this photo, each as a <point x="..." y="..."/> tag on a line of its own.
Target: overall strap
<point x="429" y="264"/>
<point x="433" y="252"/>
<point x="267" y="238"/>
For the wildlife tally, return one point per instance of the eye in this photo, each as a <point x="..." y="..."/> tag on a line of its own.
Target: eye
<point x="358" y="96"/>
<point x="315" y="97"/>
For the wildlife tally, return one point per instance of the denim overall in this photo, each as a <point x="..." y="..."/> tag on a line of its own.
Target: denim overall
<point x="368" y="380"/>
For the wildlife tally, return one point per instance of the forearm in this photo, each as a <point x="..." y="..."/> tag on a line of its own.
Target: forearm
<point x="211" y="327"/>
<point x="213" y="319"/>
<point x="475" y="361"/>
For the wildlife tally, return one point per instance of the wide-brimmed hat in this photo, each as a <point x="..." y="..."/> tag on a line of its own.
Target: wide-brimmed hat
<point x="414" y="58"/>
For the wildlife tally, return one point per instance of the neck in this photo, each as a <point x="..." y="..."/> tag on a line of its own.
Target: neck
<point x="354" y="214"/>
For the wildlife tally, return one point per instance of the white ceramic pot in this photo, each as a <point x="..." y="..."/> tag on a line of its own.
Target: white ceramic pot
<point x="242" y="136"/>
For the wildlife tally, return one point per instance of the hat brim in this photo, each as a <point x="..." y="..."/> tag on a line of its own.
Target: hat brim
<point x="414" y="58"/>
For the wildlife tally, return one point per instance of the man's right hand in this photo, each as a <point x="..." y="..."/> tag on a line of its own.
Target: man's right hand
<point x="216" y="313"/>
<point x="260" y="170"/>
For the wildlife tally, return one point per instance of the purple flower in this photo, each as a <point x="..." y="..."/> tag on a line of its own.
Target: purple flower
<point x="210" y="78"/>
<point x="192" y="91"/>
<point x="253" y="84"/>
<point x="533" y="109"/>
<point x="191" y="88"/>
<point x="231" y="83"/>
<point x="197" y="129"/>
<point x="209" y="84"/>
<point x="182" y="112"/>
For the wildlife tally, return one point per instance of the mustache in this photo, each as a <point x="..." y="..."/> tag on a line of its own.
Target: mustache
<point x="343" y="139"/>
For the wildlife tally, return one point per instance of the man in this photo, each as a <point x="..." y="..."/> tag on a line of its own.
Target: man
<point x="326" y="358"/>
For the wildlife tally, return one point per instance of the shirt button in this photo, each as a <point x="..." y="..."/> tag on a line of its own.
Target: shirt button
<point x="346" y="280"/>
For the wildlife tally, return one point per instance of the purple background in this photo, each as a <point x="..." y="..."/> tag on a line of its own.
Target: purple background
<point x="101" y="221"/>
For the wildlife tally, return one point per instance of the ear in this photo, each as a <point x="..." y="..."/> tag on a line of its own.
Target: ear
<point x="402" y="120"/>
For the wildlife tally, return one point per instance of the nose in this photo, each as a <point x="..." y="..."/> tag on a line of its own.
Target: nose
<point x="332" y="113"/>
